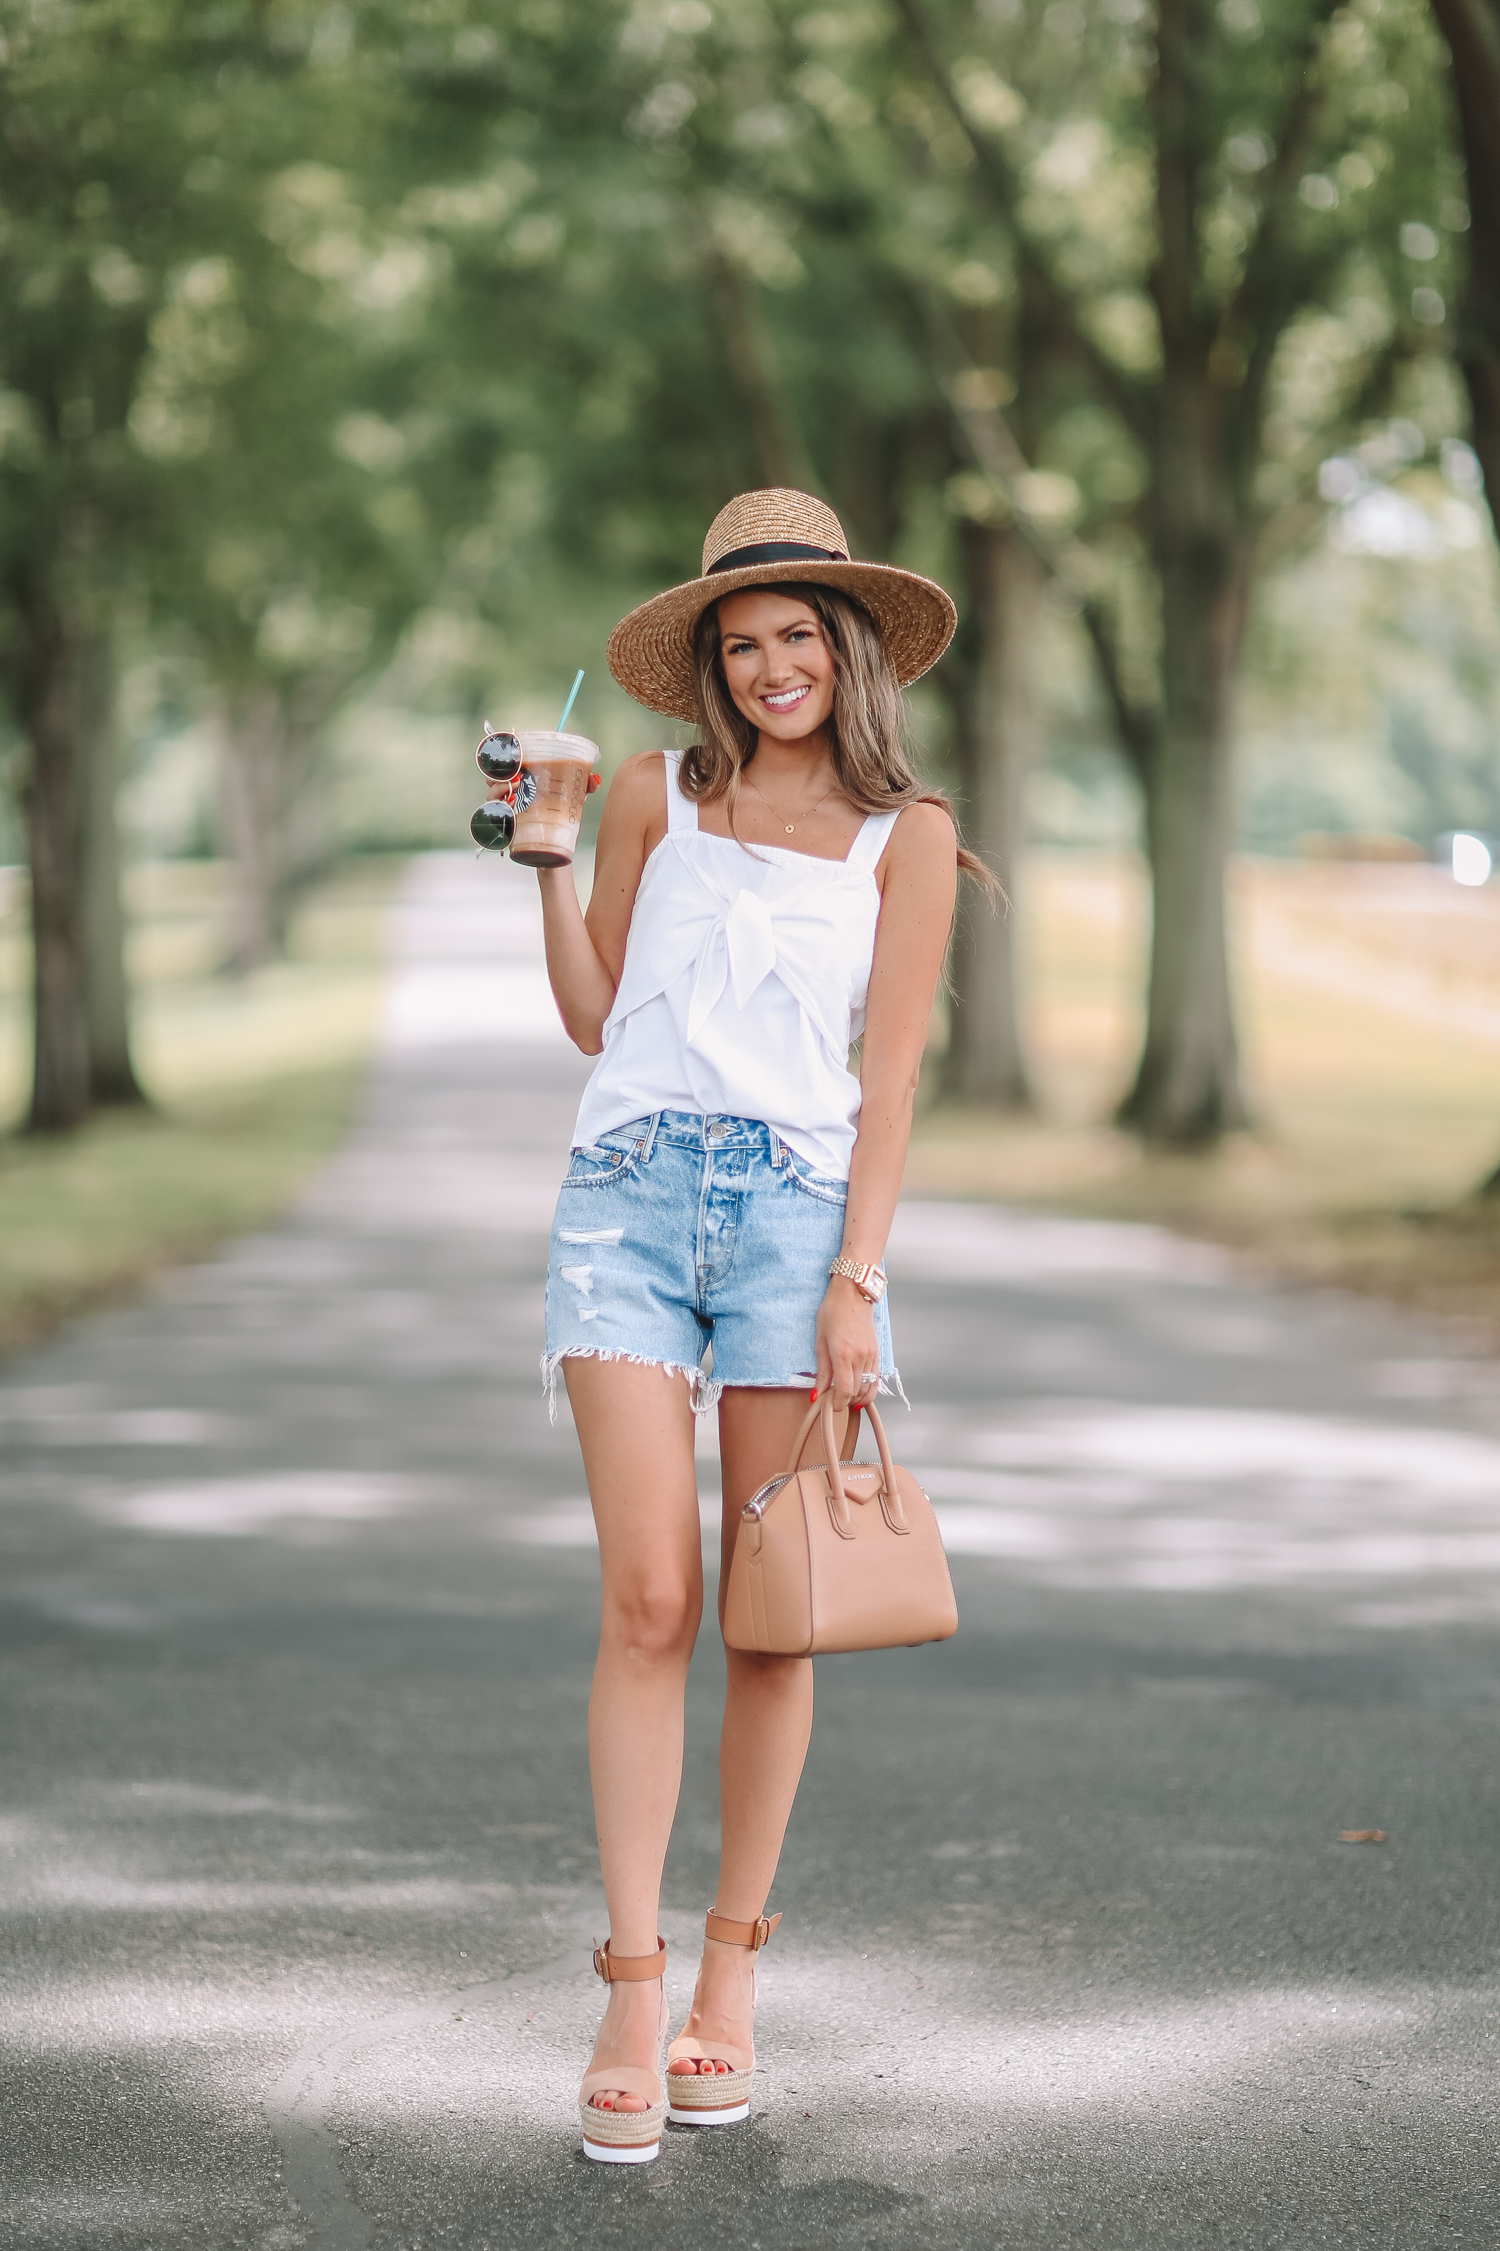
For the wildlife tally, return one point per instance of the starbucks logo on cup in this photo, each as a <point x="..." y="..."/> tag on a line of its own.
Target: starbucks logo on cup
<point x="525" y="789"/>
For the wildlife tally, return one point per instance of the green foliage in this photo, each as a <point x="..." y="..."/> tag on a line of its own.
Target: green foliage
<point x="447" y="307"/>
<point x="329" y="320"/>
<point x="115" y="120"/>
<point x="389" y="351"/>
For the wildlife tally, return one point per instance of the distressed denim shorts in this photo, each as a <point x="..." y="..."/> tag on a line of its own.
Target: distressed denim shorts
<point x="699" y="1245"/>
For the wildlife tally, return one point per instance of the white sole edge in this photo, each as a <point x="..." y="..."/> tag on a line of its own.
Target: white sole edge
<point x="709" y="2117"/>
<point x="621" y="2153"/>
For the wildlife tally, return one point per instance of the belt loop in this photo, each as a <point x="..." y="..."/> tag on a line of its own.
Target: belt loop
<point x="650" y="1141"/>
<point x="778" y="1149"/>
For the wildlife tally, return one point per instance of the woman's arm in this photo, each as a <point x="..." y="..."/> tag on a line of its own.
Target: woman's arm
<point x="586" y="952"/>
<point x="911" y="938"/>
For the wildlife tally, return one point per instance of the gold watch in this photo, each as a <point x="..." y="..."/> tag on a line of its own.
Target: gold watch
<point x="868" y="1280"/>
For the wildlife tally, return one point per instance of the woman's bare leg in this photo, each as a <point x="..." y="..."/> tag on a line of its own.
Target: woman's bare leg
<point x="636" y="1430"/>
<point x="767" y="1723"/>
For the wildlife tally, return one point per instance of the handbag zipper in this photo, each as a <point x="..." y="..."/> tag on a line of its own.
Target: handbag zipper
<point x="759" y="1502"/>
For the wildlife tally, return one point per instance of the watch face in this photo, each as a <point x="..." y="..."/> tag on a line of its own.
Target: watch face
<point x="868" y="1280"/>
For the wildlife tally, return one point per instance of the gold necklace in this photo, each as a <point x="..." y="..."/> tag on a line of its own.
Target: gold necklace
<point x="790" y="826"/>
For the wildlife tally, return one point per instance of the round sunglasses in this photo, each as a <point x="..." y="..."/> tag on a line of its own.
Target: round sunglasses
<point x="499" y="760"/>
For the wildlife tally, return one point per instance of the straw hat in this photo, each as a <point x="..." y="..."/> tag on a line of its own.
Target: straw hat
<point x="759" y="539"/>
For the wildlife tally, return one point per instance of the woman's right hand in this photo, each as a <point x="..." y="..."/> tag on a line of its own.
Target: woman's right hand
<point x="503" y="789"/>
<point x="586" y="952"/>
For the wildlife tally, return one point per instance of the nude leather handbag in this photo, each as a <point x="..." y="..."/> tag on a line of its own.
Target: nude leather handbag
<point x="842" y="1555"/>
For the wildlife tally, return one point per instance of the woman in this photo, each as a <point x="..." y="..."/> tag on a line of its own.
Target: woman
<point x="759" y="900"/>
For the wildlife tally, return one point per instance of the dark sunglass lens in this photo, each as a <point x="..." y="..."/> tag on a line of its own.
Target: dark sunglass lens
<point x="499" y="757"/>
<point x="493" y="826"/>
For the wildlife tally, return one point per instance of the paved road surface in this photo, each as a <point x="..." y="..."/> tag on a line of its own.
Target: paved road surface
<point x="298" y="1880"/>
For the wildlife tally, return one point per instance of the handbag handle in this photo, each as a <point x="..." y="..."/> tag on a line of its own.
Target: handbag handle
<point x="838" y="1499"/>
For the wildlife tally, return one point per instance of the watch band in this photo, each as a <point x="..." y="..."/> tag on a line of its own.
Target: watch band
<point x="868" y="1280"/>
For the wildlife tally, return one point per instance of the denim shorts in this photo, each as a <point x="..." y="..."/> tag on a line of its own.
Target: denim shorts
<point x="700" y="1245"/>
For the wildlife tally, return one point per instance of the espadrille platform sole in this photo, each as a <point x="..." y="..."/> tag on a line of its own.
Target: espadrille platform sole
<point x="716" y="2098"/>
<point x="626" y="2137"/>
<point x="702" y="2099"/>
<point x="621" y="2137"/>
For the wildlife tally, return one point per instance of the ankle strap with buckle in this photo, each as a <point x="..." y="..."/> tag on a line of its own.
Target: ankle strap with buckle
<point x="753" y="1935"/>
<point x="629" y="1969"/>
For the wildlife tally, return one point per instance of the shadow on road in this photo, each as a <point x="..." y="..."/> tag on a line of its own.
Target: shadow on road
<point x="298" y="1874"/>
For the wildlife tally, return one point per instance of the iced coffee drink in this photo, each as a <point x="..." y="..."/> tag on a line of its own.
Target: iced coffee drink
<point x="549" y="799"/>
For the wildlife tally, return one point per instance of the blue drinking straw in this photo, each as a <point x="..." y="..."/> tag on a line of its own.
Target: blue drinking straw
<point x="567" y="707"/>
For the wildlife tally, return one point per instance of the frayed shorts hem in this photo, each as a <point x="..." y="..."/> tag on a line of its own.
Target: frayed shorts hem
<point x="703" y="1391"/>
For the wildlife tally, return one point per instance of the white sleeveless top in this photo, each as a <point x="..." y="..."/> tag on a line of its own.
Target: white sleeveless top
<point x="744" y="984"/>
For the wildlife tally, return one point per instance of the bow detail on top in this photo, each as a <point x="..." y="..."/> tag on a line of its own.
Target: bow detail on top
<point x="809" y="924"/>
<point x="740" y="950"/>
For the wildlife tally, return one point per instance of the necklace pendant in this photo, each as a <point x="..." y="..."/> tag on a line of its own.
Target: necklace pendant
<point x="790" y="830"/>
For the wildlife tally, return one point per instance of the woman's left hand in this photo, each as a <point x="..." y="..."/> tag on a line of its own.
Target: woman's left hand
<point x="848" y="1354"/>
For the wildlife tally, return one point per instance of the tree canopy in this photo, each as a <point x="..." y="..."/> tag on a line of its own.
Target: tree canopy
<point x="340" y="333"/>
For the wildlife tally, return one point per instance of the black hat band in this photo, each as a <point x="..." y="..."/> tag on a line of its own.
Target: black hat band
<point x="775" y="551"/>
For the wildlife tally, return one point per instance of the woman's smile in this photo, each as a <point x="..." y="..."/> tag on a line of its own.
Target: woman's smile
<point x="764" y="633"/>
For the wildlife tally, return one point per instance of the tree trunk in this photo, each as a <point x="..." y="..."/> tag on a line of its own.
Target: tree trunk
<point x="1472" y="30"/>
<point x="779" y="453"/>
<point x="1481" y="374"/>
<point x="997" y="736"/>
<point x="54" y="800"/>
<point x="302" y="842"/>
<point x="112" y="1078"/>
<point x="1187" y="1088"/>
<point x="250" y="822"/>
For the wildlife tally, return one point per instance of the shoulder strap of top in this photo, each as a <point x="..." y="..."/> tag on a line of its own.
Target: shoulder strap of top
<point x="682" y="810"/>
<point x="871" y="841"/>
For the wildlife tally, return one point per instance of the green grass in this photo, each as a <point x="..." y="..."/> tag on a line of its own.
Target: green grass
<point x="252" y="1082"/>
<point x="86" y="1218"/>
<point x="1369" y="1007"/>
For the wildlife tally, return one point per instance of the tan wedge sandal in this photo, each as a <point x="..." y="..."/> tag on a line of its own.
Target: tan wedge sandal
<point x="716" y="2098"/>
<point x="626" y="2137"/>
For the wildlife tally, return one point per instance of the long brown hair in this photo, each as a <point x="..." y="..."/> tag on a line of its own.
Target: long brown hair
<point x="867" y="728"/>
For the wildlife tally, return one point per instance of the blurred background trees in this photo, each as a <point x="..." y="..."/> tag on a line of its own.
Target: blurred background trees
<point x="98" y="138"/>
<point x="362" y="363"/>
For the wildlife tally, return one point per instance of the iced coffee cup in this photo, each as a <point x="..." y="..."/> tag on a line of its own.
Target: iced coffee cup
<point x="549" y="797"/>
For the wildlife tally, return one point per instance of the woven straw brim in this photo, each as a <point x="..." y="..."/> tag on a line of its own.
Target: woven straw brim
<point x="650" y="652"/>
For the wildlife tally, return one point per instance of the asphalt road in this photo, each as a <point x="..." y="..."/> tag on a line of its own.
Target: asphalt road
<point x="297" y="1859"/>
